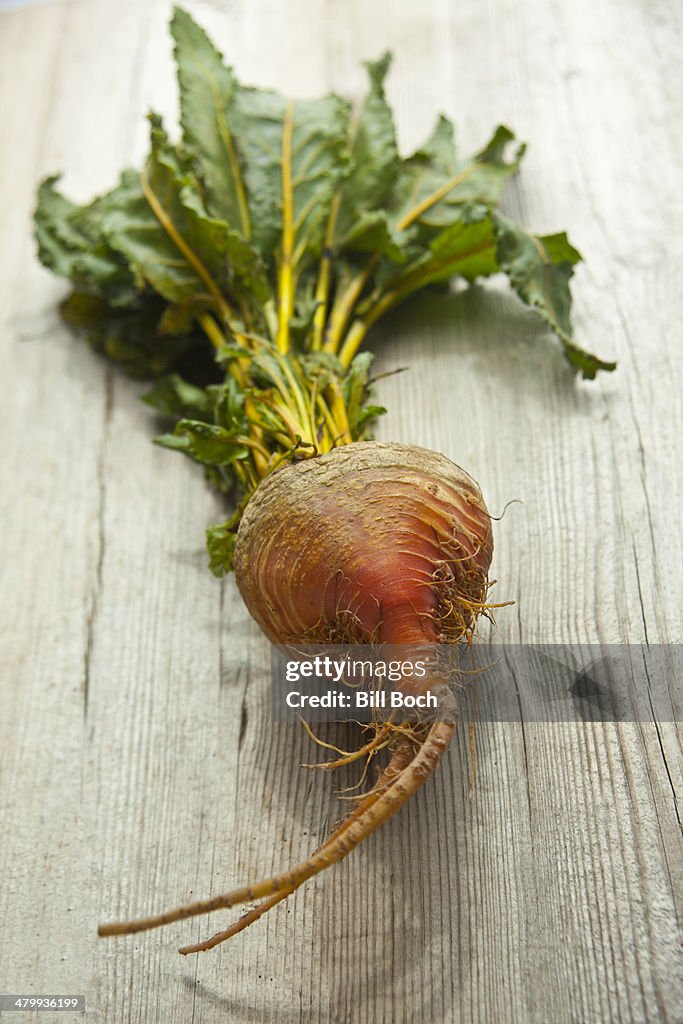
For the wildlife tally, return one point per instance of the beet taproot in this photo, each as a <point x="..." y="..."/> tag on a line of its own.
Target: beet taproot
<point x="370" y="542"/>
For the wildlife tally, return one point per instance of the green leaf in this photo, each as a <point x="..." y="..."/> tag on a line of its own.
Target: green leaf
<point x="239" y="267"/>
<point x="313" y="165"/>
<point x="134" y="229"/>
<point x="160" y="225"/>
<point x="178" y="317"/>
<point x="227" y="353"/>
<point x="439" y="150"/>
<point x="220" y="542"/>
<point x="175" y="444"/>
<point x="365" y="418"/>
<point x="540" y="269"/>
<point x="467" y="248"/>
<point x="433" y="170"/>
<point x="129" y="337"/>
<point x="59" y="243"/>
<point x="174" y="396"/>
<point x="426" y="170"/>
<point x="373" y="233"/>
<point x="236" y="135"/>
<point x="374" y="159"/>
<point x="209" y="444"/>
<point x="356" y="390"/>
<point x="300" y="323"/>
<point x="71" y="243"/>
<point x="228" y="402"/>
<point x="207" y="91"/>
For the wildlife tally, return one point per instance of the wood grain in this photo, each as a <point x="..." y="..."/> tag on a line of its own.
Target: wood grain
<point x="138" y="760"/>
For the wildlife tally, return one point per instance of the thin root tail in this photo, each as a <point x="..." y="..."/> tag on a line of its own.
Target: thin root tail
<point x="400" y="780"/>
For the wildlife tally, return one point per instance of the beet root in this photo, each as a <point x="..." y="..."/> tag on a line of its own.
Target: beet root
<point x="368" y="543"/>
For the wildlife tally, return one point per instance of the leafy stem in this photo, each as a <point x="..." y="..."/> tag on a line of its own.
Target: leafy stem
<point x="235" y="168"/>
<point x="238" y="372"/>
<point x="343" y="307"/>
<point x="406" y="285"/>
<point x="436" y="196"/>
<point x="195" y="262"/>
<point x="282" y="232"/>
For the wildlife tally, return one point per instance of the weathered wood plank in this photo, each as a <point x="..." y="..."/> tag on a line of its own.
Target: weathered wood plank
<point x="138" y="759"/>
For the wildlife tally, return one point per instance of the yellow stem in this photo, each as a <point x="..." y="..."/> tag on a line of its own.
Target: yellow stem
<point x="354" y="339"/>
<point x="340" y="416"/>
<point x="277" y="460"/>
<point x="331" y="429"/>
<point x="256" y="447"/>
<point x="360" y="327"/>
<point x="322" y="290"/>
<point x="246" y="319"/>
<point x="212" y="330"/>
<point x="286" y="283"/>
<point x="299" y="398"/>
<point x="285" y="414"/>
<point x="169" y="227"/>
<point x="237" y="178"/>
<point x="270" y="316"/>
<point x="238" y="370"/>
<point x="343" y="308"/>
<point x="435" y="197"/>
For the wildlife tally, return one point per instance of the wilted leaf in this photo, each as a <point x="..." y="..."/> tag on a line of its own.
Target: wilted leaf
<point x="540" y="269"/>
<point x="220" y="542"/>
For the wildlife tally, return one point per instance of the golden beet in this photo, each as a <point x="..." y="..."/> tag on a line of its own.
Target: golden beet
<point x="370" y="542"/>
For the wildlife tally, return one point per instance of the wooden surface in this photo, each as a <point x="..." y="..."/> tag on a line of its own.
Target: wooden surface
<point x="139" y="762"/>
